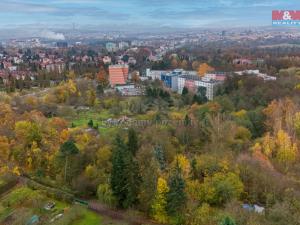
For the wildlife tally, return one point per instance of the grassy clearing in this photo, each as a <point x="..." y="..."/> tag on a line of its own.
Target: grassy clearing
<point x="82" y="118"/>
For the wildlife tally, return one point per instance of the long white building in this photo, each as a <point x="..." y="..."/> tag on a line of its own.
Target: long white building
<point x="178" y="79"/>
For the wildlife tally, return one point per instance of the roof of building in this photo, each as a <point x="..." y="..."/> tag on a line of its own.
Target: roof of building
<point x="197" y="78"/>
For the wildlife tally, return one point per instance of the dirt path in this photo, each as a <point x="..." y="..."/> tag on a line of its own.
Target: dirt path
<point x="118" y="214"/>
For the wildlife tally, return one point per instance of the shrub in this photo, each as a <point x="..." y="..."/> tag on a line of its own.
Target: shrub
<point x="105" y="195"/>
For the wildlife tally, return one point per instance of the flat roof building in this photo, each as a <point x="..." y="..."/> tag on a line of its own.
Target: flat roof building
<point x="179" y="78"/>
<point x="192" y="82"/>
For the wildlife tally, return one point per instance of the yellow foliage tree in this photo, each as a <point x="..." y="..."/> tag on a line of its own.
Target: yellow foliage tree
<point x="91" y="171"/>
<point x="7" y="117"/>
<point x="280" y="147"/>
<point x="104" y="157"/>
<point x="91" y="97"/>
<point x="160" y="201"/>
<point x="4" y="148"/>
<point x="71" y="86"/>
<point x="71" y="74"/>
<point x="64" y="136"/>
<point x="268" y="145"/>
<point x="16" y="171"/>
<point x="83" y="140"/>
<point x="61" y="94"/>
<point x="240" y="114"/>
<point x="183" y="164"/>
<point x="286" y="149"/>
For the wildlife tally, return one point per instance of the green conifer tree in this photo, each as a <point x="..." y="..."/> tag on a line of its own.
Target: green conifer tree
<point x="132" y="141"/>
<point x="176" y="196"/>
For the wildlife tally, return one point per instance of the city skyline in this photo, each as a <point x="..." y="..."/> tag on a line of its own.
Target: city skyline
<point x="139" y="14"/>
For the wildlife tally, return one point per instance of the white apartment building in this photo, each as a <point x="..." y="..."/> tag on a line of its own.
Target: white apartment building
<point x="193" y="82"/>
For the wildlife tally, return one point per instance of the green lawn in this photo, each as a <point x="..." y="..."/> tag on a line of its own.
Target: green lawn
<point x="82" y="118"/>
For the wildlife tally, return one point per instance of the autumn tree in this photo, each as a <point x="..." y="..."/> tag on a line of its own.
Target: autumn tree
<point x="7" y="119"/>
<point x="286" y="149"/>
<point x="135" y="77"/>
<point x="91" y="97"/>
<point x="280" y="147"/>
<point x="280" y="115"/>
<point x="204" y="68"/>
<point x="102" y="77"/>
<point x="4" y="148"/>
<point x="159" y="206"/>
<point x="221" y="188"/>
<point x="183" y="163"/>
<point x="71" y="74"/>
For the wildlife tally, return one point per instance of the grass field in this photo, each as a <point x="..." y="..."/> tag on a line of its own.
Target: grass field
<point x="82" y="118"/>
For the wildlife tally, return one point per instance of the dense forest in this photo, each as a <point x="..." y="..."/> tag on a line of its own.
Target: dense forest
<point x="179" y="159"/>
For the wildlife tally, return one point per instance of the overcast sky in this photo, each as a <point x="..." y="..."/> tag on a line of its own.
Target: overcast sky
<point x="140" y="13"/>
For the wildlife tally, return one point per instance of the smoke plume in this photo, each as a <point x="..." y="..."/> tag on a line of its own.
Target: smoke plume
<point x="52" y="35"/>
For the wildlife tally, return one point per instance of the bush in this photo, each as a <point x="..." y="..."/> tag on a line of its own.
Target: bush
<point x="221" y="188"/>
<point x="105" y="195"/>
